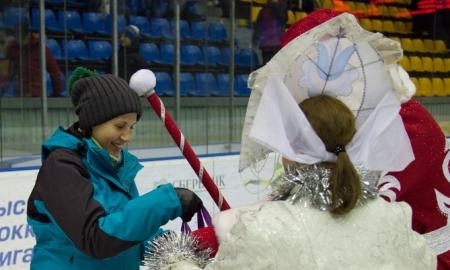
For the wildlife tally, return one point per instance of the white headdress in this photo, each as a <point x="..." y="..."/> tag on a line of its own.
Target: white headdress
<point x="340" y="59"/>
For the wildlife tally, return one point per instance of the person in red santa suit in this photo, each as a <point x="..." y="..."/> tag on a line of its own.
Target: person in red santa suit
<point x="425" y="183"/>
<point x="325" y="54"/>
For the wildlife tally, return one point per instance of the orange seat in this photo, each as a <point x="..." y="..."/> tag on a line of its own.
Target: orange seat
<point x="447" y="86"/>
<point x="425" y="86"/>
<point x="418" y="45"/>
<point x="438" y="64"/>
<point x="388" y="27"/>
<point x="404" y="62"/>
<point x="429" y="45"/>
<point x="416" y="63"/>
<point x="438" y="86"/>
<point x="400" y="27"/>
<point x="366" y="23"/>
<point x="428" y="65"/>
<point x="300" y="15"/>
<point x="439" y="46"/>
<point x="254" y="10"/>
<point x="447" y="64"/>
<point x="291" y="17"/>
<point x="377" y="25"/>
<point x="407" y="44"/>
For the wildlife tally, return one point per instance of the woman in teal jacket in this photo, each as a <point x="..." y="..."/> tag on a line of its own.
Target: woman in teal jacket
<point x="85" y="209"/>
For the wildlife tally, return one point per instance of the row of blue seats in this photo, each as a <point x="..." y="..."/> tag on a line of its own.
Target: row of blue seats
<point x="95" y="23"/>
<point x="163" y="53"/>
<point x="202" y="84"/>
<point x="193" y="55"/>
<point x="199" y="84"/>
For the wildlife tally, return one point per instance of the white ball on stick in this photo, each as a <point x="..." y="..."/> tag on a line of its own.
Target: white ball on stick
<point x="143" y="82"/>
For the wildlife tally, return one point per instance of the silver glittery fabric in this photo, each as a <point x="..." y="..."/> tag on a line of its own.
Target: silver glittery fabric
<point x="311" y="183"/>
<point x="165" y="251"/>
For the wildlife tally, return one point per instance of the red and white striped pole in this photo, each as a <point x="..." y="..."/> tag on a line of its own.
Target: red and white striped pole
<point x="143" y="82"/>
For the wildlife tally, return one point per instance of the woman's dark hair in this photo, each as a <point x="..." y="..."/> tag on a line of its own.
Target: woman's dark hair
<point x="334" y="123"/>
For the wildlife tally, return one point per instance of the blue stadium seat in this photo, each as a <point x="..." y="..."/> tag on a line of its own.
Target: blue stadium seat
<point x="150" y="52"/>
<point x="199" y="30"/>
<point x="206" y="83"/>
<point x="52" y="1"/>
<point x="75" y="3"/>
<point x="160" y="28"/>
<point x="167" y="52"/>
<point x="49" y="84"/>
<point x="225" y="61"/>
<point x="93" y="22"/>
<point x="99" y="50"/>
<point x="190" y="55"/>
<point x="240" y="85"/>
<point x="34" y="19"/>
<point x="164" y="84"/>
<point x="74" y="49"/>
<point x="247" y="58"/>
<point x="134" y="7"/>
<point x="13" y="16"/>
<point x="122" y="22"/>
<point x="142" y="23"/>
<point x="187" y="84"/>
<point x="217" y="32"/>
<point x="185" y="29"/>
<point x="212" y="56"/>
<point x="10" y="89"/>
<point x="223" y="85"/>
<point x="65" y="92"/>
<point x="55" y="48"/>
<point x="71" y="20"/>
<point x="51" y="20"/>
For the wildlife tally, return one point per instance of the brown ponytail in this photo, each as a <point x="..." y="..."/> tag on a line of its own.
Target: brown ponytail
<point x="334" y="123"/>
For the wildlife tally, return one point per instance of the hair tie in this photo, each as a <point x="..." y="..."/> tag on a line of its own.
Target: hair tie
<point x="338" y="149"/>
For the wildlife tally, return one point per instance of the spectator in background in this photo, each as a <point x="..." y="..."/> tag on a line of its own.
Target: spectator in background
<point x="269" y="28"/>
<point x="129" y="58"/>
<point x="24" y="75"/>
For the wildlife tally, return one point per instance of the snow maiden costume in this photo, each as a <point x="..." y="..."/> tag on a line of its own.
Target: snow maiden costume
<point x="425" y="183"/>
<point x="295" y="230"/>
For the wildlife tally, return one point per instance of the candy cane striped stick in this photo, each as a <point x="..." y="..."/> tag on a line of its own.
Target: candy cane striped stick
<point x="143" y="82"/>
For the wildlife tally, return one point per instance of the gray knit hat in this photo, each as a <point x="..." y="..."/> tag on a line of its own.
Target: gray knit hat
<point x="100" y="98"/>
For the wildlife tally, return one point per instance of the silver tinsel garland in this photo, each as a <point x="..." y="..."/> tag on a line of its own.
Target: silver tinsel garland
<point x="311" y="183"/>
<point x="169" y="249"/>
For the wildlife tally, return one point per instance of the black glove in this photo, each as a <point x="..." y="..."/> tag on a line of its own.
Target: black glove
<point x="190" y="203"/>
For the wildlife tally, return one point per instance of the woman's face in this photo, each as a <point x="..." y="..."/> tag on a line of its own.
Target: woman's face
<point x="115" y="133"/>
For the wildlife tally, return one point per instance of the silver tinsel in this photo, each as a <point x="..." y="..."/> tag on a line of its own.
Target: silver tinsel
<point x="169" y="249"/>
<point x="311" y="183"/>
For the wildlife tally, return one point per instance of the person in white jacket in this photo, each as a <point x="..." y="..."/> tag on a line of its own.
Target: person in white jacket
<point x="327" y="104"/>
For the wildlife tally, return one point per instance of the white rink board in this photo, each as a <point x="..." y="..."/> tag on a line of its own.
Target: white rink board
<point x="16" y="241"/>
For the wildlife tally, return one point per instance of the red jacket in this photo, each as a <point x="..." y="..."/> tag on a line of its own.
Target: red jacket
<point x="25" y="67"/>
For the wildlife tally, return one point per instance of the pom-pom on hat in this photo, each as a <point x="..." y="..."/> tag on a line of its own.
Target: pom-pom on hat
<point x="100" y="98"/>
